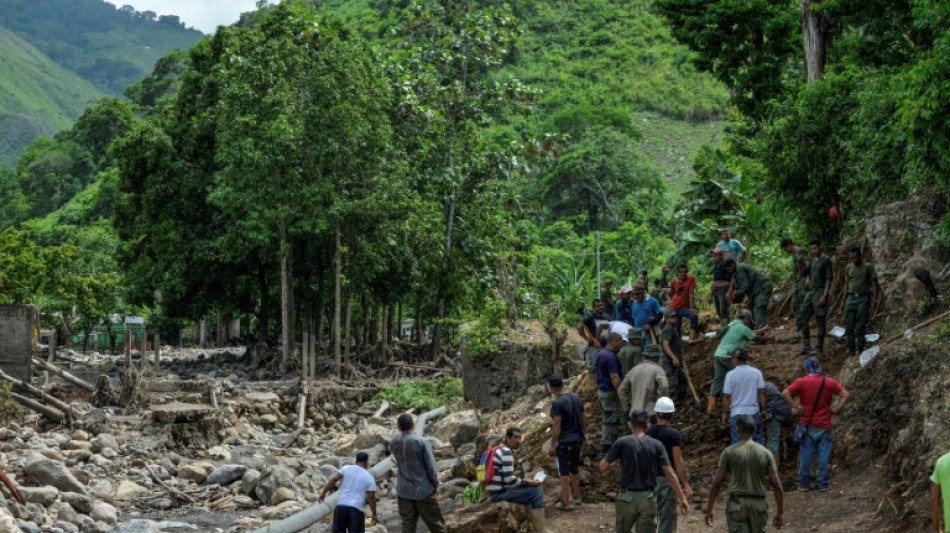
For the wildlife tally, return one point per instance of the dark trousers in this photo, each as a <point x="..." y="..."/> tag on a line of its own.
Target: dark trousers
<point x="410" y="511"/>
<point x="348" y="519"/>
<point x="856" y="315"/>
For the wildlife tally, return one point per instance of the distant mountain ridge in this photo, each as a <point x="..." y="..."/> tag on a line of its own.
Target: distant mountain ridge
<point x="57" y="56"/>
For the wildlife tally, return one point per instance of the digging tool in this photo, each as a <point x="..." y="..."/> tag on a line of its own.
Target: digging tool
<point x="682" y="365"/>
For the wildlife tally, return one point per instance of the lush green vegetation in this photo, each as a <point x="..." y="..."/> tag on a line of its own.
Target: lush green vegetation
<point x="428" y="394"/>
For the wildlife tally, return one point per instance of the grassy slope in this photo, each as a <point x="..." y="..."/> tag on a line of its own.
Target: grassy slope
<point x="37" y="96"/>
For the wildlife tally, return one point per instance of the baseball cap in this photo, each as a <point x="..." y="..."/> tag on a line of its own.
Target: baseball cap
<point x="635" y="333"/>
<point x="625" y="289"/>
<point x="637" y="289"/>
<point x="556" y="381"/>
<point x="812" y="365"/>
<point x="670" y="313"/>
<point x="664" y="405"/>
<point x="651" y="351"/>
<point x="745" y="313"/>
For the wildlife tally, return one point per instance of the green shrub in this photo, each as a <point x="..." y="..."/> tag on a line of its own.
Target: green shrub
<point x="473" y="494"/>
<point x="428" y="394"/>
<point x="9" y="408"/>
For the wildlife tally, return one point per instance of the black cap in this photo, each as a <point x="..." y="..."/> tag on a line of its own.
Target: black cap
<point x="555" y="381"/>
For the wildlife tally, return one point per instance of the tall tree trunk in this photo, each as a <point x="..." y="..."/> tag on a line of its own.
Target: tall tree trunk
<point x="286" y="298"/>
<point x="371" y="319"/>
<point x="263" y="315"/>
<point x="364" y="323"/>
<point x="203" y="332"/>
<point x="222" y="337"/>
<point x="337" y="290"/>
<point x="446" y="266"/>
<point x="85" y="340"/>
<point x="321" y="303"/>
<point x="417" y="323"/>
<point x="399" y="320"/>
<point x="307" y="327"/>
<point x="347" y="332"/>
<point x="815" y="32"/>
<point x="384" y="343"/>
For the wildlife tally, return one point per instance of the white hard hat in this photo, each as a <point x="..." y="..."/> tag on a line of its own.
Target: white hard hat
<point x="664" y="405"/>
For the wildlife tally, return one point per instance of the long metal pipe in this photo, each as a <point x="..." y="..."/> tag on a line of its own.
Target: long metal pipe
<point x="311" y="515"/>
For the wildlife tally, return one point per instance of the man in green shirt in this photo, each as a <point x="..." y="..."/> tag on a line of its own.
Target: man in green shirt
<point x="671" y="341"/>
<point x="632" y="353"/>
<point x="799" y="271"/>
<point x="751" y="470"/>
<point x="820" y="274"/>
<point x="940" y="493"/>
<point x="862" y="292"/>
<point x="738" y="333"/>
<point x="751" y="283"/>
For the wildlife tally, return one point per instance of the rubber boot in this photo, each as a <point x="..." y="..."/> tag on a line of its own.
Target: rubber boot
<point x="711" y="405"/>
<point x="537" y="520"/>
<point x="806" y="345"/>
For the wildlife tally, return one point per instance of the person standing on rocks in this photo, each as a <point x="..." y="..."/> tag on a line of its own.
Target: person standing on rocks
<point x="744" y="394"/>
<point x="817" y="286"/>
<point x="505" y="486"/>
<point x="358" y="487"/>
<point x="940" y="494"/>
<point x="672" y="442"/>
<point x="751" y="470"/>
<point x="751" y="283"/>
<point x="732" y="248"/>
<point x="722" y="280"/>
<point x="641" y="458"/>
<point x="416" y="480"/>
<point x="683" y="290"/>
<point x="588" y="331"/>
<point x="862" y="291"/>
<point x="799" y="272"/>
<point x="737" y="334"/>
<point x="672" y="343"/>
<point x="814" y="397"/>
<point x="567" y="437"/>
<point x="644" y="384"/>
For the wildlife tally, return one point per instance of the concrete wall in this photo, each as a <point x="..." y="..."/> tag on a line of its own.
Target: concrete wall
<point x="19" y="332"/>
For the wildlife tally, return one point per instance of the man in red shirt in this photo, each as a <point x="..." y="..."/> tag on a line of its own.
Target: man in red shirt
<point x="813" y="396"/>
<point x="683" y="294"/>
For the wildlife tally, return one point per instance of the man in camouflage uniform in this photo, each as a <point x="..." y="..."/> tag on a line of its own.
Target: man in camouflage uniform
<point x="672" y="362"/>
<point x="751" y="283"/>
<point x="818" y="285"/>
<point x="862" y="292"/>
<point x="799" y="272"/>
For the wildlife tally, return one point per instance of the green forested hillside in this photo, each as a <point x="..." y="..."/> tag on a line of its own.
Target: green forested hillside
<point x="57" y="57"/>
<point x="37" y="96"/>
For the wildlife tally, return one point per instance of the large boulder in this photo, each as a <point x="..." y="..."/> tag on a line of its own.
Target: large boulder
<point x="272" y="480"/>
<point x="137" y="525"/>
<point x="371" y="436"/>
<point x="226" y="474"/>
<point x="49" y="472"/>
<point x="457" y="428"/>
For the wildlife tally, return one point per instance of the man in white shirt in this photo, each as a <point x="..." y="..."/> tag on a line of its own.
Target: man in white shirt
<point x="744" y="394"/>
<point x="358" y="486"/>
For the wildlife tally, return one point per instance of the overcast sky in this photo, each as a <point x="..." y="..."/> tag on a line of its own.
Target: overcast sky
<point x="204" y="15"/>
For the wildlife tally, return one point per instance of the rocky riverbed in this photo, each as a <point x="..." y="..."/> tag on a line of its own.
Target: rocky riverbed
<point x="209" y="446"/>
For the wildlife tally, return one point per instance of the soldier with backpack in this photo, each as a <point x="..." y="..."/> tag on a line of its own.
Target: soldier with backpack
<point x="567" y="438"/>
<point x="505" y="486"/>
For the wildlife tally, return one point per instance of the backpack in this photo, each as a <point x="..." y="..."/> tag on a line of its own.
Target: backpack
<point x="485" y="470"/>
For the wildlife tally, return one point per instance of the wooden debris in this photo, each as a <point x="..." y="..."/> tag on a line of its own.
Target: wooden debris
<point x="43" y="365"/>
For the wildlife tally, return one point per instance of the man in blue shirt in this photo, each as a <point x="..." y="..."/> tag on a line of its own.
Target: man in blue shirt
<point x="646" y="313"/>
<point x="622" y="307"/>
<point x="608" y="383"/>
<point x="733" y="249"/>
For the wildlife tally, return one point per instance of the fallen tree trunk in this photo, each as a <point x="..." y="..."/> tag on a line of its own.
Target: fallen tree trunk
<point x="35" y="392"/>
<point x="49" y="412"/>
<point x="43" y="365"/>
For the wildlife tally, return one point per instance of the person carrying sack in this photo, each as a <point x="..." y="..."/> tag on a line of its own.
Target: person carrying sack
<point x="813" y="434"/>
